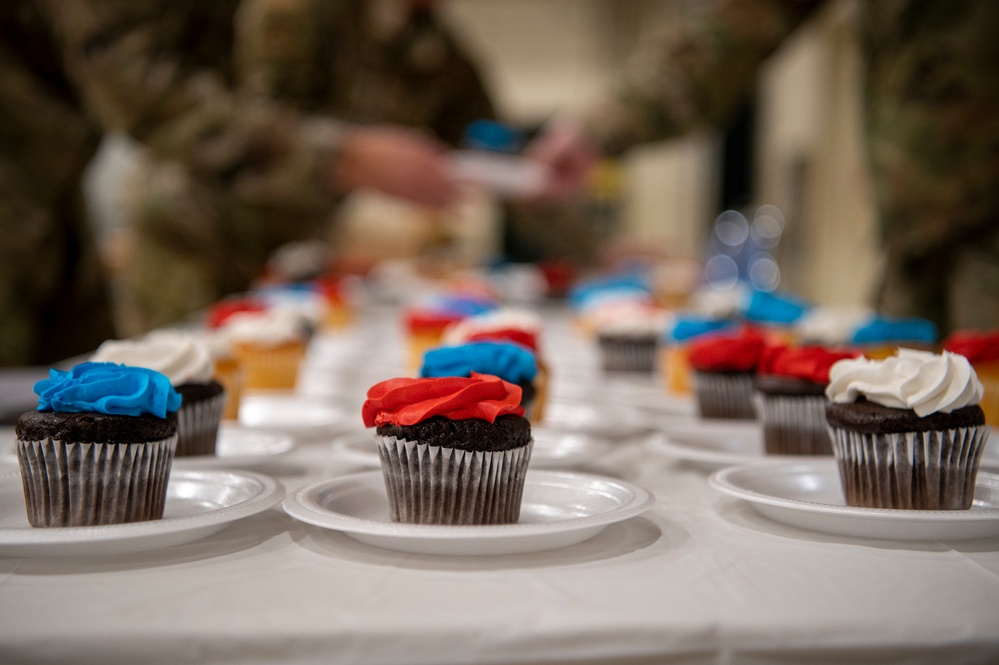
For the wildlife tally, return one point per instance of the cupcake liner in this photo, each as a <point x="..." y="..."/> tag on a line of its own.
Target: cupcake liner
<point x="229" y="373"/>
<point x="724" y="395"/>
<point x="794" y="425"/>
<point x="89" y="484"/>
<point x="438" y="485"/>
<point x="272" y="368"/>
<point x="535" y="411"/>
<point x="198" y="426"/>
<point x="628" y="356"/>
<point x="676" y="369"/>
<point x="932" y="470"/>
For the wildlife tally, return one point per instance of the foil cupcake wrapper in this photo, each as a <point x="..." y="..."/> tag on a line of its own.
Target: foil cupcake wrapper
<point x="89" y="484"/>
<point x="438" y="485"/>
<point x="618" y="356"/>
<point x="794" y="425"/>
<point x="724" y="395"/>
<point x="198" y="426"/>
<point x="933" y="470"/>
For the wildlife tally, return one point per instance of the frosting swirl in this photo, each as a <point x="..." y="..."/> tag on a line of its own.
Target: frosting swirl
<point x="219" y="313"/>
<point x="737" y="351"/>
<point x="507" y="361"/>
<point x="919" y="380"/>
<point x="520" y="326"/>
<point x="808" y="363"/>
<point x="408" y="401"/>
<point x="271" y="327"/>
<point x="107" y="388"/>
<point x="181" y="357"/>
<point x="975" y="346"/>
<point x="880" y="329"/>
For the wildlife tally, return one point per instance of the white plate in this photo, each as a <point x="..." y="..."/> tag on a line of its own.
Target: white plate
<point x="713" y="444"/>
<point x="558" y="509"/>
<point x="600" y="420"/>
<point x="239" y="446"/>
<point x="990" y="456"/>
<point x="552" y="449"/>
<point x="300" y="415"/>
<point x="809" y="496"/>
<point x="198" y="504"/>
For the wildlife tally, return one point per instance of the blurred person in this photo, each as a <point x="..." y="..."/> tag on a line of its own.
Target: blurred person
<point x="931" y="95"/>
<point x="162" y="72"/>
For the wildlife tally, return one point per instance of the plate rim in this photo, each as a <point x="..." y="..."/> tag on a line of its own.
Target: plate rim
<point x="294" y="504"/>
<point x="271" y="493"/>
<point x="662" y="443"/>
<point x="722" y="482"/>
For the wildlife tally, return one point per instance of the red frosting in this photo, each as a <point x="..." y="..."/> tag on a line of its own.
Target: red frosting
<point x="218" y="314"/>
<point x="409" y="401"/>
<point x="430" y="321"/>
<point x="974" y="345"/>
<point x="810" y="363"/>
<point x="728" y="351"/>
<point x="522" y="337"/>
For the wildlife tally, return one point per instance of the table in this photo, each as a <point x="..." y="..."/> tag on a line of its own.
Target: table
<point x="700" y="578"/>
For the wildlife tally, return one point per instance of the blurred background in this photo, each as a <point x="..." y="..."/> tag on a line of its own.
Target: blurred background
<point x="796" y="147"/>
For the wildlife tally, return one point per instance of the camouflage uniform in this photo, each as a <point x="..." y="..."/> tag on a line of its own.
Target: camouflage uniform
<point x="197" y="240"/>
<point x="932" y="115"/>
<point x="160" y="71"/>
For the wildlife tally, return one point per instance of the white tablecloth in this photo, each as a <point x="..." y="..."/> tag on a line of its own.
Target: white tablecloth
<point x="700" y="578"/>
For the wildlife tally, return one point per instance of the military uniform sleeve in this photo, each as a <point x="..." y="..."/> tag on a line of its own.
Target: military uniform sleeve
<point x="138" y="70"/>
<point x="693" y="71"/>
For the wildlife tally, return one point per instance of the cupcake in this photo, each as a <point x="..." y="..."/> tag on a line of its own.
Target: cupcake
<point x="270" y="346"/>
<point x="776" y="313"/>
<point x="187" y="363"/>
<point x="724" y="367"/>
<point x="791" y="383"/>
<point x="99" y="448"/>
<point x="628" y="336"/>
<point x="425" y="323"/>
<point x="982" y="351"/>
<point x="881" y="336"/>
<point x="511" y="362"/>
<point x="674" y="344"/>
<point x="519" y="326"/>
<point x="453" y="450"/>
<point x="907" y="431"/>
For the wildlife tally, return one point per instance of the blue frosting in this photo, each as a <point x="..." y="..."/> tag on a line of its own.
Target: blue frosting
<point x="780" y="308"/>
<point x="689" y="327"/>
<point x="509" y="362"/>
<point x="881" y="329"/>
<point x="464" y="305"/>
<point x="628" y="283"/>
<point x="107" y="388"/>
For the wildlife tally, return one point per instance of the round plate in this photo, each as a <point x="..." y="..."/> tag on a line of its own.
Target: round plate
<point x="552" y="449"/>
<point x="239" y="446"/>
<point x="604" y="421"/>
<point x="295" y="414"/>
<point x="558" y="509"/>
<point x="712" y="444"/>
<point x="198" y="504"/>
<point x="808" y="495"/>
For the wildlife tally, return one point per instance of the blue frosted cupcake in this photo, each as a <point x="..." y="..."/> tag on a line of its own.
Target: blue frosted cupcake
<point x="98" y="449"/>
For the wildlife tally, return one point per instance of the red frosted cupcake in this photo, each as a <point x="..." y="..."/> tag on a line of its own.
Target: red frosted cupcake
<point x="791" y="382"/>
<point x="724" y="367"/>
<point x="453" y="450"/>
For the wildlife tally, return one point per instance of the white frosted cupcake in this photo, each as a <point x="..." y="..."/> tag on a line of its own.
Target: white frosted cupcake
<point x="270" y="345"/>
<point x="907" y="431"/>
<point x="187" y="363"/>
<point x="628" y="336"/>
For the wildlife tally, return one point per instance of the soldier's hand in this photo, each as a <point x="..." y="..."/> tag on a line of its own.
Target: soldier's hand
<point x="568" y="154"/>
<point x="396" y="161"/>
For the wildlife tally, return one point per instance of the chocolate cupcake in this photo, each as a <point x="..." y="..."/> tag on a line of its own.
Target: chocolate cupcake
<point x="511" y="362"/>
<point x="99" y="448"/>
<point x="453" y="450"/>
<point x="724" y="366"/>
<point x="187" y="362"/>
<point x="791" y="384"/>
<point x="907" y="431"/>
<point x="628" y="336"/>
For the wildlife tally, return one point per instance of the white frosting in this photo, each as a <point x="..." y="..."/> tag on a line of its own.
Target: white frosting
<point x="307" y="305"/>
<point x="715" y="303"/>
<point x="270" y="327"/>
<point x="181" y="357"/>
<point x="919" y="380"/>
<point x="508" y="318"/>
<point x="832" y="326"/>
<point x="628" y="318"/>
